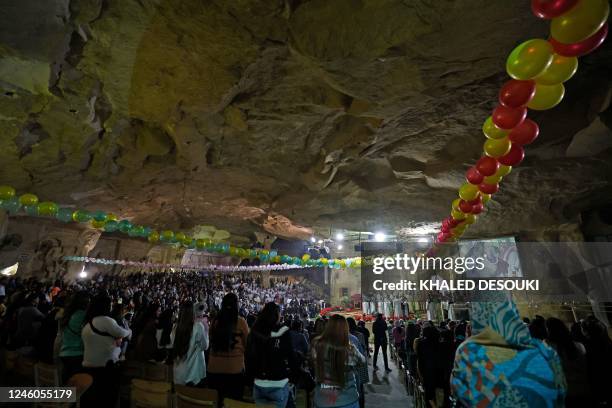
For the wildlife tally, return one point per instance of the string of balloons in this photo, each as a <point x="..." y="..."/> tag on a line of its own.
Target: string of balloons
<point x="537" y="68"/>
<point x="108" y="222"/>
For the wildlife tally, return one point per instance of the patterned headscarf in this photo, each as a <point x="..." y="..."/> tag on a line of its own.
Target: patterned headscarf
<point x="501" y="365"/>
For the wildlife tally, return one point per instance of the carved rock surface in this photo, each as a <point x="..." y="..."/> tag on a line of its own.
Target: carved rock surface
<point x="286" y="116"/>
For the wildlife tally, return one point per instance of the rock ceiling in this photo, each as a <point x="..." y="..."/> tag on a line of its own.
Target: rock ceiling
<point x="286" y="116"/>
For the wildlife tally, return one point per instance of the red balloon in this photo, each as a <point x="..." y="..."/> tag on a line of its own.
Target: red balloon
<point x="583" y="47"/>
<point x="508" y="118"/>
<point x="477" y="208"/>
<point x="445" y="228"/>
<point x="473" y="176"/>
<point x="488" y="188"/>
<point x="551" y="8"/>
<point x="476" y="201"/>
<point x="515" y="93"/>
<point x="525" y="133"/>
<point x="513" y="157"/>
<point x="454" y="222"/>
<point x="445" y="223"/>
<point x="487" y="166"/>
<point x="465" y="207"/>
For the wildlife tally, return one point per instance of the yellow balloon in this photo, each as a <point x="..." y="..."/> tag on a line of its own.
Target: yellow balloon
<point x="153" y="237"/>
<point x="469" y="219"/>
<point x="560" y="70"/>
<point x="485" y="198"/>
<point x="529" y="59"/>
<point x="455" y="204"/>
<point x="324" y="261"/>
<point x="28" y="199"/>
<point x="305" y="257"/>
<point x="111" y="217"/>
<point x="97" y="224"/>
<point x="580" y="22"/>
<point x="6" y="192"/>
<point x="457" y="215"/>
<point x="493" y="179"/>
<point x="503" y="170"/>
<point x="491" y="131"/>
<point x="468" y="191"/>
<point x="546" y="96"/>
<point x="497" y="147"/>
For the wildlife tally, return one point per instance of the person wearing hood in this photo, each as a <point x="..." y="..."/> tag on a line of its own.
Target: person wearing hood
<point x="270" y="358"/>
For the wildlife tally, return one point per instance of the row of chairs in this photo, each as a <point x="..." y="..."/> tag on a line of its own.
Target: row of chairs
<point x="144" y="385"/>
<point x="157" y="394"/>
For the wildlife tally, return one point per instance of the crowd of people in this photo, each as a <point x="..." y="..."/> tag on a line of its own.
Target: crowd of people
<point x="584" y="350"/>
<point x="230" y="332"/>
<point x="218" y="331"/>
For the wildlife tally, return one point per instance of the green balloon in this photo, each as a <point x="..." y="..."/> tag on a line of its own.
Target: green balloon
<point x="64" y="214"/>
<point x="47" y="208"/>
<point x="125" y="226"/>
<point x="136" y="231"/>
<point x="31" y="210"/>
<point x="81" y="216"/>
<point x="111" y="226"/>
<point x="99" y="216"/>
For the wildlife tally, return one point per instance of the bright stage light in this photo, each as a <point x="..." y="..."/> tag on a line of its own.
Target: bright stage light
<point x="313" y="239"/>
<point x="320" y="241"/>
<point x="379" y="237"/>
<point x="339" y="247"/>
<point x="339" y="236"/>
<point x="83" y="275"/>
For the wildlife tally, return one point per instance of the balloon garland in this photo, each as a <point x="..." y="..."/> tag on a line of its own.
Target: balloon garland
<point x="537" y="68"/>
<point x="216" y="268"/>
<point x="108" y="222"/>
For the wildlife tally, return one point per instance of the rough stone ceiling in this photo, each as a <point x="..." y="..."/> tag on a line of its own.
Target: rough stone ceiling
<point x="286" y="115"/>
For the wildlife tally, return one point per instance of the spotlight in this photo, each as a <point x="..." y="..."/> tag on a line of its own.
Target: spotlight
<point x="339" y="236"/>
<point x="379" y="237"/>
<point x="320" y="241"/>
<point x="313" y="239"/>
<point x="339" y="247"/>
<point x="83" y="274"/>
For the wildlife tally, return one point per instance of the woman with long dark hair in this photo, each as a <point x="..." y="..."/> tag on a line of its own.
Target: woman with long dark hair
<point x="164" y="334"/>
<point x="146" y="341"/>
<point x="71" y="324"/>
<point x="334" y="359"/>
<point x="190" y="343"/>
<point x="228" y="336"/>
<point x="270" y="358"/>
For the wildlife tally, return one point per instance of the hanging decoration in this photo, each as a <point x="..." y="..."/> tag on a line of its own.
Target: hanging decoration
<point x="537" y="68"/>
<point x="214" y="268"/>
<point x="108" y="222"/>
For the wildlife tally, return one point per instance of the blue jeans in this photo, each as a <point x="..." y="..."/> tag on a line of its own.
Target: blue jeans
<point x="279" y="396"/>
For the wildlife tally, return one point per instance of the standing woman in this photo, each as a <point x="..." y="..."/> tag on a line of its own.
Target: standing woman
<point x="271" y="358"/>
<point x="228" y="336"/>
<point x="190" y="342"/>
<point x="335" y="359"/>
<point x="101" y="339"/>
<point x="71" y="324"/>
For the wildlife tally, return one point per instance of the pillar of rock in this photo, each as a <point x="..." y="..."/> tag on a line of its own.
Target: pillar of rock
<point x="85" y="242"/>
